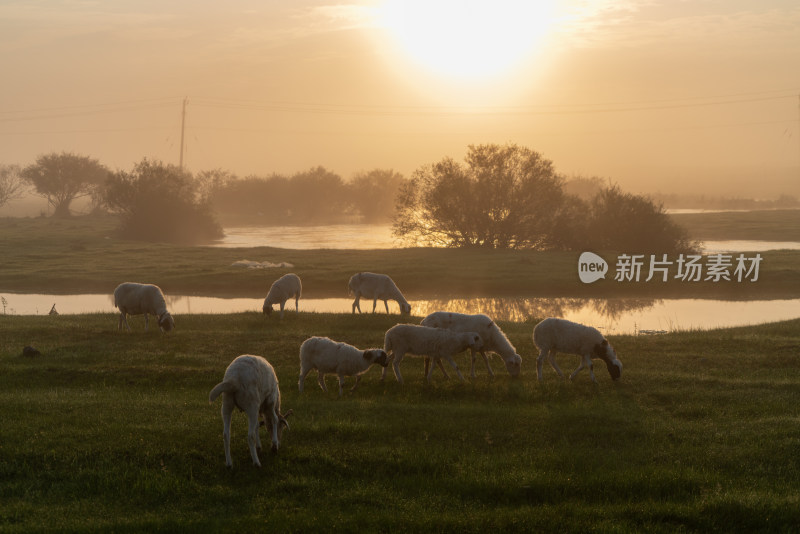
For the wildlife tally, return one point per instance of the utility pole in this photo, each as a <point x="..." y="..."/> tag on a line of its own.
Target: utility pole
<point x="183" y="130"/>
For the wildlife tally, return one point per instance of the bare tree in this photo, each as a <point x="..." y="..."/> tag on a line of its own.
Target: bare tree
<point x="12" y="184"/>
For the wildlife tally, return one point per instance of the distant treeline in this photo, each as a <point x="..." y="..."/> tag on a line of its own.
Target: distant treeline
<point x="316" y="196"/>
<point x="676" y="201"/>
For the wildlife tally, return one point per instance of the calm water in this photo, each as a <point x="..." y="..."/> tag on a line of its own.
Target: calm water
<point x="613" y="316"/>
<point x="363" y="236"/>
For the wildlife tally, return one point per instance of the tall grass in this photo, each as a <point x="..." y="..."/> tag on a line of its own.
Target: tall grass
<point x="111" y="430"/>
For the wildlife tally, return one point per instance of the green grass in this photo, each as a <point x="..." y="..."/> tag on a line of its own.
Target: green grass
<point x="80" y="255"/>
<point x="763" y="225"/>
<point x="112" y="431"/>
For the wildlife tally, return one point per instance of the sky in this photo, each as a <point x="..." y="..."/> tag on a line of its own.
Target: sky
<point x="697" y="97"/>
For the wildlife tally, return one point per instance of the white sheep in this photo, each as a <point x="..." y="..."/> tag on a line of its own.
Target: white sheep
<point x="559" y="335"/>
<point x="281" y="290"/>
<point x="376" y="286"/>
<point x="250" y="384"/>
<point x="137" y="299"/>
<point x="494" y="340"/>
<point x="435" y="343"/>
<point x="331" y="357"/>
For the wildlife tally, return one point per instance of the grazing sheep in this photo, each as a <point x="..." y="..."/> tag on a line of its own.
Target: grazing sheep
<point x="435" y="343"/>
<point x="376" y="286"/>
<point x="136" y="299"/>
<point x="250" y="384"/>
<point x="494" y="340"/>
<point x="559" y="335"/>
<point x="281" y="290"/>
<point x="328" y="356"/>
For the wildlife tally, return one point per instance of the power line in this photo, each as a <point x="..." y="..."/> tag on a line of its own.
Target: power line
<point x="85" y="110"/>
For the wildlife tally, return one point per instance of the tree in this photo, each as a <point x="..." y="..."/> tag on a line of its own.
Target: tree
<point x="317" y="196"/>
<point x="209" y="182"/>
<point x="61" y="178"/>
<point x="373" y="193"/>
<point x="12" y="184"/>
<point x="159" y="202"/>
<point x="633" y="224"/>
<point x="502" y="197"/>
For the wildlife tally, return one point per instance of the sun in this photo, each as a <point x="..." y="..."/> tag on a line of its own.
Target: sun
<point x="473" y="39"/>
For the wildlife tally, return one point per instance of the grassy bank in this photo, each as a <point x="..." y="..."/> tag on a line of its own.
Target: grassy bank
<point x="82" y="256"/>
<point x="763" y="225"/>
<point x="108" y="430"/>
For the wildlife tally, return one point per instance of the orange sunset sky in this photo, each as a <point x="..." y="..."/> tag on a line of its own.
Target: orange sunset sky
<point x="700" y="96"/>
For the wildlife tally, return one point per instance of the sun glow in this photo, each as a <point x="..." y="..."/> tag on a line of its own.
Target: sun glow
<point x="473" y="39"/>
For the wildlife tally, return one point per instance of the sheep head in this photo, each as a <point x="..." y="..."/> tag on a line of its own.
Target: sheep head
<point x="282" y="422"/>
<point x="378" y="356"/>
<point x="267" y="309"/>
<point x="514" y="365"/>
<point x="605" y="352"/>
<point x="166" y="322"/>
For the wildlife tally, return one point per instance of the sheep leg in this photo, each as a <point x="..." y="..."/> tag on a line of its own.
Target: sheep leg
<point x="374" y="304"/>
<point x="282" y="305"/>
<point x="539" y="362"/>
<point x="357" y="303"/>
<point x="444" y="371"/>
<point x="275" y="422"/>
<point x="485" y="359"/>
<point x="398" y="357"/>
<point x="551" y="357"/>
<point x="358" y="379"/>
<point x="321" y="381"/>
<point x="586" y="361"/>
<point x="452" y="362"/>
<point x="429" y="369"/>
<point x="301" y="382"/>
<point x="146" y="321"/>
<point x="227" y="411"/>
<point x="123" y="317"/>
<point x="386" y="304"/>
<point x="438" y="363"/>
<point x="252" y="434"/>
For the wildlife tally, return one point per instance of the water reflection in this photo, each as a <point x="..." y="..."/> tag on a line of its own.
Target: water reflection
<point x="612" y="316"/>
<point x="335" y="236"/>
<point x="523" y="309"/>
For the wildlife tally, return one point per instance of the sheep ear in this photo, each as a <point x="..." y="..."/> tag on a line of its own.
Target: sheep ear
<point x="604" y="342"/>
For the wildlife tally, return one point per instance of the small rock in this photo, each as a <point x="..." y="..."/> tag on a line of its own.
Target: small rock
<point x="30" y="351"/>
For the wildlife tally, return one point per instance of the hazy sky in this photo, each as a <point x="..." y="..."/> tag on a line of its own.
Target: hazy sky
<point x="700" y="95"/>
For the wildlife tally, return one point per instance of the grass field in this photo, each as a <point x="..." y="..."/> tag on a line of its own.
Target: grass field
<point x="112" y="431"/>
<point x="80" y="255"/>
<point x="763" y="225"/>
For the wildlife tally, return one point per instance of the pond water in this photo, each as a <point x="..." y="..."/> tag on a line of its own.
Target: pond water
<point x="612" y="316"/>
<point x="366" y="236"/>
